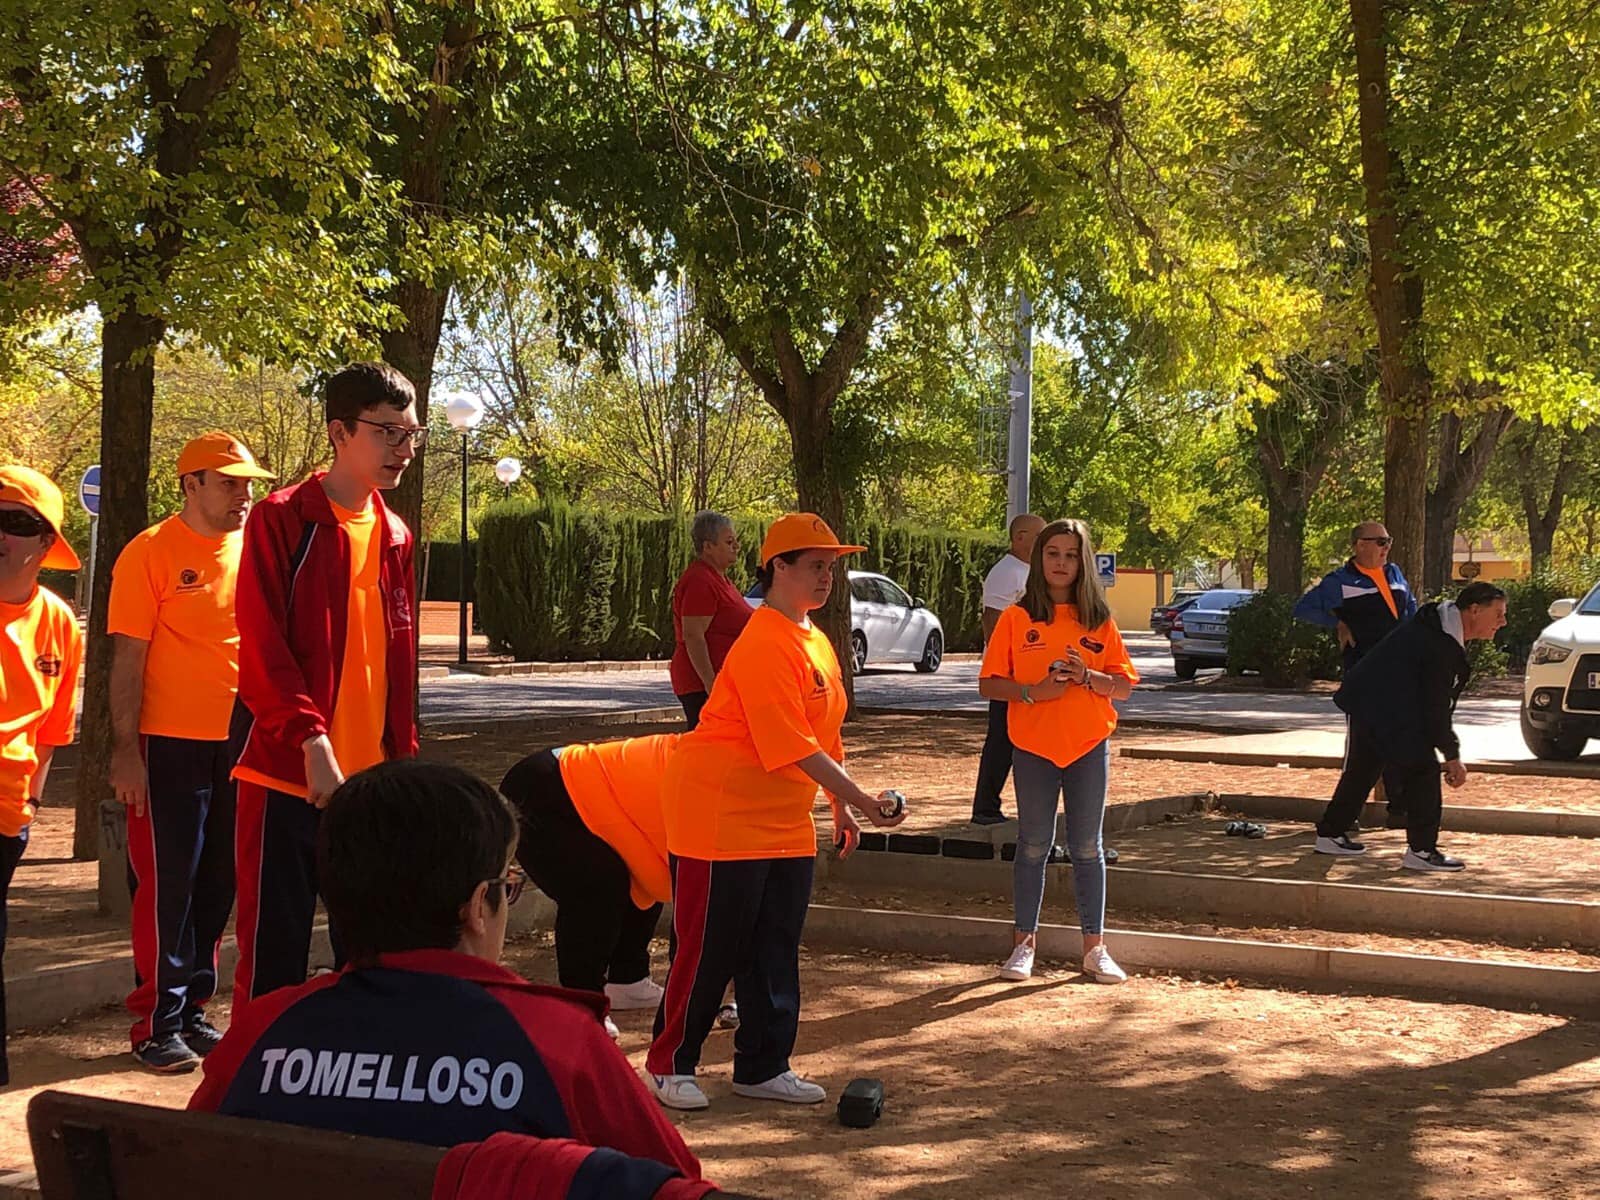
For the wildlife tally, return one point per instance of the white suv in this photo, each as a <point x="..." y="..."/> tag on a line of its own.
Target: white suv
<point x="1561" y="694"/>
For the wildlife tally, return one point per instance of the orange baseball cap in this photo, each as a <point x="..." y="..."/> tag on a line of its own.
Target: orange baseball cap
<point x="801" y="531"/>
<point x="222" y="453"/>
<point x="24" y="485"/>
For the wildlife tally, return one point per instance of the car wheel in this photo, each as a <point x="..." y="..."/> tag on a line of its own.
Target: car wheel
<point x="1184" y="668"/>
<point x="1550" y="745"/>
<point x="858" y="651"/>
<point x="932" y="654"/>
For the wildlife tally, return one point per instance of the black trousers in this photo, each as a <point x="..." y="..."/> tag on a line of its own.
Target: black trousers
<point x="11" y="849"/>
<point x="738" y="920"/>
<point x="1420" y="789"/>
<point x="1394" y="781"/>
<point x="180" y="874"/>
<point x="994" y="765"/>
<point x="601" y="936"/>
<point x="692" y="703"/>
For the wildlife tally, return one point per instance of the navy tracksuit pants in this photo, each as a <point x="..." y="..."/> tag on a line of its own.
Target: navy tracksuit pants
<point x="994" y="764"/>
<point x="738" y="921"/>
<point x="180" y="872"/>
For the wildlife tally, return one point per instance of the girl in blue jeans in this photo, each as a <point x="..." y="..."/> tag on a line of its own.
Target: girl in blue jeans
<point x="1057" y="659"/>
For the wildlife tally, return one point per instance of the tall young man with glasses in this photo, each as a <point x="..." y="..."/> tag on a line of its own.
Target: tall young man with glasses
<point x="174" y="675"/>
<point x="1362" y="601"/>
<point x="327" y="662"/>
<point x="40" y="653"/>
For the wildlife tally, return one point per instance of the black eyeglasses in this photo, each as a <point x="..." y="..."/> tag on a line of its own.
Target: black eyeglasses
<point x="514" y="882"/>
<point x="19" y="523"/>
<point x="393" y="435"/>
<point x="1383" y="541"/>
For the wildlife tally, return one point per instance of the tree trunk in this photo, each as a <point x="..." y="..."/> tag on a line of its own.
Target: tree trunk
<point x="1286" y="545"/>
<point x="1543" y="511"/>
<point x="1458" y="473"/>
<point x="1396" y="298"/>
<point x="128" y="344"/>
<point x="817" y="490"/>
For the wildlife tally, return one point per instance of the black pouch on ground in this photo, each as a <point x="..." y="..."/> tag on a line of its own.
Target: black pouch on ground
<point x="861" y="1102"/>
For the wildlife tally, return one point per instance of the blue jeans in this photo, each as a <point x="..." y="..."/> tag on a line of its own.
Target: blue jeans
<point x="1039" y="785"/>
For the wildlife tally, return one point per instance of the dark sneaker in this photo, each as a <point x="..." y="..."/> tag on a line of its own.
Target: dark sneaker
<point x="1430" y="860"/>
<point x="1339" y="845"/>
<point x="202" y="1036"/>
<point x="989" y="818"/>
<point x="168" y="1054"/>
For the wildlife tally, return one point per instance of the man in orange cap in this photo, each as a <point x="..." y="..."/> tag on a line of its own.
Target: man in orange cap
<point x="174" y="675"/>
<point x="41" y="650"/>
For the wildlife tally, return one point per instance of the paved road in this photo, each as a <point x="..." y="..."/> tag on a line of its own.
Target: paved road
<point x="1488" y="728"/>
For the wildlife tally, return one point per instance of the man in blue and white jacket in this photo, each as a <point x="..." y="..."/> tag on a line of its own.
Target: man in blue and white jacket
<point x="1363" y="601"/>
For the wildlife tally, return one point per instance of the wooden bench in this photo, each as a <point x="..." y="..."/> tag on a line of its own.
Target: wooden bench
<point x="86" y="1148"/>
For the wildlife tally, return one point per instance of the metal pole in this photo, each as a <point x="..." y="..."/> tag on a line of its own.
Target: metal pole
<point x="1019" y="444"/>
<point x="461" y="653"/>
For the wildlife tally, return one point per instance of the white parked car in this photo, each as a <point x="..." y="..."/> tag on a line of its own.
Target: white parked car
<point x="886" y="625"/>
<point x="1561" y="693"/>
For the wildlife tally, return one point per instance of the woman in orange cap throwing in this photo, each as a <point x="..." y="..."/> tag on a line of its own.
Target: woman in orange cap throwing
<point x="40" y="652"/>
<point x="737" y="799"/>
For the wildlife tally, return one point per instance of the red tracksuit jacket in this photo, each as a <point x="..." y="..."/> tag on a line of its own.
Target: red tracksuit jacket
<point x="440" y="1048"/>
<point x="293" y="607"/>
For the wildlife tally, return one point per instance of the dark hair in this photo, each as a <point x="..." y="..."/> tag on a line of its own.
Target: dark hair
<point x="351" y="390"/>
<point x="1479" y="592"/>
<point x="1087" y="594"/>
<point x="402" y="847"/>
<point x="764" y="574"/>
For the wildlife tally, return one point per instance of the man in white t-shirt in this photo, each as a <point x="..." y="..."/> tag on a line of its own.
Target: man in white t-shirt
<point x="1002" y="588"/>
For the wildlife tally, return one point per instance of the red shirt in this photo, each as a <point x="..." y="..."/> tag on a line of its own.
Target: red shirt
<point x="703" y="591"/>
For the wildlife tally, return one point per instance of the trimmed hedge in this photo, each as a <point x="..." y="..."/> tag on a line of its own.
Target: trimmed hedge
<point x="556" y="583"/>
<point x="1264" y="638"/>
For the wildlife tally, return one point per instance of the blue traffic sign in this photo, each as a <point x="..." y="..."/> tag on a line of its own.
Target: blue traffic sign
<point x="89" y="491"/>
<point x="1105" y="566"/>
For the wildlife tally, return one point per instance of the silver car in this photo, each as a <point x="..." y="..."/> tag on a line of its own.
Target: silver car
<point x="1200" y="632"/>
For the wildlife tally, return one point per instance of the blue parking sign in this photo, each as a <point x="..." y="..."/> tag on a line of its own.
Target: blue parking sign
<point x="1105" y="565"/>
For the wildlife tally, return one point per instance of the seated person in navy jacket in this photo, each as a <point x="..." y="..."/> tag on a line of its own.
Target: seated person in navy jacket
<point x="424" y="1037"/>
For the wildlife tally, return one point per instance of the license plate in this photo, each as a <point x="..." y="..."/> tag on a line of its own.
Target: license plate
<point x="1204" y="628"/>
<point x="1594" y="681"/>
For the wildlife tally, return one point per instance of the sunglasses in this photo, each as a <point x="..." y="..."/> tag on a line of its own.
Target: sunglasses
<point x="393" y="435"/>
<point x="1382" y="541"/>
<point x="17" y="523"/>
<point x="514" y="882"/>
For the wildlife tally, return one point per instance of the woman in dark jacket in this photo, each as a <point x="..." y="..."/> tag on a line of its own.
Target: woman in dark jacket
<point x="1400" y="698"/>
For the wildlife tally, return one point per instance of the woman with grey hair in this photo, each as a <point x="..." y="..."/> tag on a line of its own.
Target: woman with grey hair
<point x="708" y="613"/>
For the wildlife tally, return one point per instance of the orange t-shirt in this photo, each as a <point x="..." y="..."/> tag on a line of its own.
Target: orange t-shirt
<point x="1378" y="577"/>
<point x="1022" y="649"/>
<point x="173" y="588"/>
<point x="733" y="790"/>
<point x="360" y="711"/>
<point x="616" y="788"/>
<point x="41" y="651"/>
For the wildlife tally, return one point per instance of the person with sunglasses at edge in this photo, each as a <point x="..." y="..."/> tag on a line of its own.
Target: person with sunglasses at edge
<point x="326" y="608"/>
<point x="423" y="1036"/>
<point x="41" y="650"/>
<point x="1362" y="601"/>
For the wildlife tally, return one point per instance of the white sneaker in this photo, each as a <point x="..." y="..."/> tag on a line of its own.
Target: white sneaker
<point x="1099" y="966"/>
<point x="612" y="1031"/>
<point x="1020" y="965"/>
<point x="678" y="1091"/>
<point x="1430" y="860"/>
<point x="788" y="1087"/>
<point x="1341" y="845"/>
<point x="630" y="997"/>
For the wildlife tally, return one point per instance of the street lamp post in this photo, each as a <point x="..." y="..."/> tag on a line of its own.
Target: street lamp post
<point x="463" y="411"/>
<point x="508" y="471"/>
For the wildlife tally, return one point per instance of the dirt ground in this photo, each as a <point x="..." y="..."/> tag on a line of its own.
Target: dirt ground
<point x="1163" y="1087"/>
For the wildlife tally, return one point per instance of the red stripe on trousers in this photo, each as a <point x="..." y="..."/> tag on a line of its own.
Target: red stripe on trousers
<point x="691" y="898"/>
<point x="145" y="927"/>
<point x="251" y="815"/>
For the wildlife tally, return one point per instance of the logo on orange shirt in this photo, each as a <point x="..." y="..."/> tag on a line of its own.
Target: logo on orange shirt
<point x="1088" y="643"/>
<point x="189" y="580"/>
<point x="1033" y="636"/>
<point x="47" y="665"/>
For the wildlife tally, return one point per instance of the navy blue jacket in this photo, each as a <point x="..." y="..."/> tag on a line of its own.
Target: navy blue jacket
<point x="1404" y="691"/>
<point x="1350" y="595"/>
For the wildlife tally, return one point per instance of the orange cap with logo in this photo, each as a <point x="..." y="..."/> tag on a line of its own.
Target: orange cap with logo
<point x="24" y="485"/>
<point x="222" y="453"/>
<point x="801" y="531"/>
